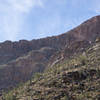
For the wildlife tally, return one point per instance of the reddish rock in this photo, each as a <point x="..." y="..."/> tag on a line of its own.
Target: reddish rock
<point x="19" y="60"/>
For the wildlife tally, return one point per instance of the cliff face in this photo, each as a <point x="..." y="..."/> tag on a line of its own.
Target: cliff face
<point x="20" y="60"/>
<point x="76" y="77"/>
<point x="88" y="30"/>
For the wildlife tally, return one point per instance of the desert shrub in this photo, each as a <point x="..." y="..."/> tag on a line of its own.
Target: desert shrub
<point x="37" y="75"/>
<point x="10" y="96"/>
<point x="83" y="60"/>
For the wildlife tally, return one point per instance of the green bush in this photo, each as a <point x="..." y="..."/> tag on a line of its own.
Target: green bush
<point x="83" y="60"/>
<point x="10" y="96"/>
<point x="37" y="75"/>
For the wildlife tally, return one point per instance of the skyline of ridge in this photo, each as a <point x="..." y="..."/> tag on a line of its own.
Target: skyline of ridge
<point x="34" y="19"/>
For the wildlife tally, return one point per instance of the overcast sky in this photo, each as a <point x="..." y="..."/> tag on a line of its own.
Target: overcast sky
<point x="31" y="19"/>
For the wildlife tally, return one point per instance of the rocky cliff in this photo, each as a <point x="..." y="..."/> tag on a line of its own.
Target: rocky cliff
<point x="20" y="60"/>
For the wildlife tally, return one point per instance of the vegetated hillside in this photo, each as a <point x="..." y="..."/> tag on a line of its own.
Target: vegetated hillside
<point x="20" y="60"/>
<point x="76" y="78"/>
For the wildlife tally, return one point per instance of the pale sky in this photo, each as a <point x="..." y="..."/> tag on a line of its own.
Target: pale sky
<point x="32" y="19"/>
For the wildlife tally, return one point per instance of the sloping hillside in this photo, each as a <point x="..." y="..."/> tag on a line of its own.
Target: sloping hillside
<point x="20" y="60"/>
<point x="77" y="78"/>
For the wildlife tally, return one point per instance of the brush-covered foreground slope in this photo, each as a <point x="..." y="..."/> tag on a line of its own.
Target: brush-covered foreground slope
<point x="76" y="78"/>
<point x="20" y="60"/>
